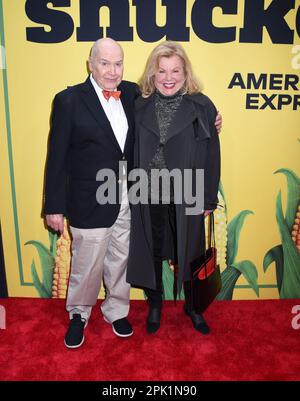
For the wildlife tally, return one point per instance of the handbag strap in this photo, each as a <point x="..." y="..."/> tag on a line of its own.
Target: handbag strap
<point x="211" y="231"/>
<point x="211" y="243"/>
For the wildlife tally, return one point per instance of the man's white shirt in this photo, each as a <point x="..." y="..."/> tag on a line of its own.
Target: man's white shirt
<point x="115" y="113"/>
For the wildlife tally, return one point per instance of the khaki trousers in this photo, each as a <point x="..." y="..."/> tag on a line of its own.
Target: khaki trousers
<point x="101" y="253"/>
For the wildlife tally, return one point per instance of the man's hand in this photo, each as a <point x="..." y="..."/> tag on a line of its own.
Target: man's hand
<point x="218" y="122"/>
<point x="56" y="222"/>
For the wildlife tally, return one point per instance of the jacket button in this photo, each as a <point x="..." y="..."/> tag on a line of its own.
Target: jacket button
<point x="123" y="158"/>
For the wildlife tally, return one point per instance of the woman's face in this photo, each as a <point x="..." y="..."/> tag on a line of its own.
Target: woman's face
<point x="170" y="75"/>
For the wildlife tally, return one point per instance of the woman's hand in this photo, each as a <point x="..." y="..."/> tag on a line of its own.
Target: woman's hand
<point x="218" y="122"/>
<point x="207" y="212"/>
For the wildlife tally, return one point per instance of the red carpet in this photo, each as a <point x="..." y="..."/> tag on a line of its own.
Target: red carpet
<point x="250" y="340"/>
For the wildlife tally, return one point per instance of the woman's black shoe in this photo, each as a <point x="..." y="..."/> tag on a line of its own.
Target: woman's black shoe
<point x="198" y="320"/>
<point x="153" y="319"/>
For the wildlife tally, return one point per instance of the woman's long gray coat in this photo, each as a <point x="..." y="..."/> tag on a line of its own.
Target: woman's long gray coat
<point x="192" y="143"/>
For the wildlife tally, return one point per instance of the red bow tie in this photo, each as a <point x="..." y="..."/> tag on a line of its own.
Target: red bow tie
<point x="115" y="94"/>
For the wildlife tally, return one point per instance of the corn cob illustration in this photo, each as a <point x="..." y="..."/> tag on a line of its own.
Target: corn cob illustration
<point x="62" y="265"/>
<point x="220" y="219"/>
<point x="296" y="229"/>
<point x="51" y="277"/>
<point x="286" y="255"/>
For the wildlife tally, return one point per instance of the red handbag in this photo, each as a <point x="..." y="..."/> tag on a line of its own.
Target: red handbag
<point x="206" y="280"/>
<point x="209" y="265"/>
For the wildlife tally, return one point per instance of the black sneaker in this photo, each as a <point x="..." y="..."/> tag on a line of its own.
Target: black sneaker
<point x="74" y="337"/>
<point x="198" y="320"/>
<point x="121" y="327"/>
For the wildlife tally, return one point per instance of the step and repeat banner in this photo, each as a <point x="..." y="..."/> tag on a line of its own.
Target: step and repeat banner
<point x="247" y="55"/>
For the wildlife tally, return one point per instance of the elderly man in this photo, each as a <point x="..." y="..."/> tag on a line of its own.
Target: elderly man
<point x="92" y="129"/>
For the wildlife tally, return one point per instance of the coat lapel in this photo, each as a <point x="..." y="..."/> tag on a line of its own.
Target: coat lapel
<point x="149" y="119"/>
<point x="92" y="102"/>
<point x="190" y="111"/>
<point x="186" y="115"/>
<point x="127" y="104"/>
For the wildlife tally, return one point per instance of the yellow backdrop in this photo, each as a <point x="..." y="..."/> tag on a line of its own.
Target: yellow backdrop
<point x="255" y="142"/>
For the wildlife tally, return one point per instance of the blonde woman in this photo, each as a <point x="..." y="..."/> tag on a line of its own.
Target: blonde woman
<point x="175" y="129"/>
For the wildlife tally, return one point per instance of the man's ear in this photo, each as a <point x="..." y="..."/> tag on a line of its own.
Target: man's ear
<point x="90" y="64"/>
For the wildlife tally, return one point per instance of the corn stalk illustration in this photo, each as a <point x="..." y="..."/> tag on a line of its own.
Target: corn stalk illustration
<point x="228" y="248"/>
<point x="227" y="242"/>
<point x="47" y="261"/>
<point x="55" y="265"/>
<point x="287" y="254"/>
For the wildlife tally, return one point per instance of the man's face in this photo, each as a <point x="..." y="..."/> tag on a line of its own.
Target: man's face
<point x="106" y="66"/>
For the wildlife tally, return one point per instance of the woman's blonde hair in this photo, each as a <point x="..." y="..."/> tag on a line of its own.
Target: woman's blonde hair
<point x="168" y="49"/>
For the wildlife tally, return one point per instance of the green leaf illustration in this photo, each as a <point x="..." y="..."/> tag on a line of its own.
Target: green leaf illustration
<point x="52" y="241"/>
<point x="291" y="269"/>
<point x="43" y="293"/>
<point x="293" y="185"/>
<point x="229" y="278"/>
<point x="275" y="254"/>
<point x="47" y="264"/>
<point x="249" y="271"/>
<point x="233" y="230"/>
